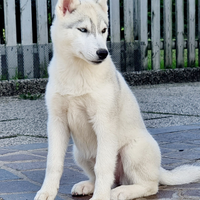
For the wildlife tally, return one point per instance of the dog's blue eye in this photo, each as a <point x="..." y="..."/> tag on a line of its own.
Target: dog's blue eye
<point x="83" y="30"/>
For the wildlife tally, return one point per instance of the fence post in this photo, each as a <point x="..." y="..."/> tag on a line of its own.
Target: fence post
<point x="167" y="33"/>
<point x="53" y="6"/>
<point x="128" y="21"/>
<point x="11" y="38"/>
<point x="129" y="34"/>
<point x="191" y="32"/>
<point x="1" y="66"/>
<point x="115" y="32"/>
<point x="199" y="30"/>
<point x="42" y="35"/>
<point x="155" y="33"/>
<point x="135" y="18"/>
<point x="180" y="33"/>
<point x="3" y="70"/>
<point x="26" y="34"/>
<point x="143" y="31"/>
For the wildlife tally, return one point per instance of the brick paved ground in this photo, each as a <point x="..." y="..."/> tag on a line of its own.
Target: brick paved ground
<point x="22" y="167"/>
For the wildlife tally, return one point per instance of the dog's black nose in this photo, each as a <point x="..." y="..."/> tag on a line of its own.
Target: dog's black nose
<point x="102" y="53"/>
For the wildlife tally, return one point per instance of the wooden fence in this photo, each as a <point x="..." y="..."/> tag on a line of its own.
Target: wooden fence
<point x="141" y="39"/>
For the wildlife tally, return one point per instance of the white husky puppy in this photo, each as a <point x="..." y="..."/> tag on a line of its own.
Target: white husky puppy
<point x="88" y="99"/>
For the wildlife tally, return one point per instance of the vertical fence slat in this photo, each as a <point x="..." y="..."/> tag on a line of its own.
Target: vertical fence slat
<point x="143" y="31"/>
<point x="42" y="35"/>
<point x="26" y="22"/>
<point x="128" y="21"/>
<point x="3" y="74"/>
<point x="167" y="33"/>
<point x="11" y="38"/>
<point x="42" y="31"/>
<point x="199" y="30"/>
<point x="128" y="34"/>
<point x="10" y="22"/>
<point x="191" y="32"/>
<point x="115" y="32"/>
<point x="155" y="33"/>
<point x="115" y="21"/>
<point x="53" y="6"/>
<point x="27" y="37"/>
<point x="135" y="18"/>
<point x="179" y="33"/>
<point x="1" y="66"/>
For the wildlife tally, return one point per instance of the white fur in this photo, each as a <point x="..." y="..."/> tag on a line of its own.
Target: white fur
<point x="92" y="103"/>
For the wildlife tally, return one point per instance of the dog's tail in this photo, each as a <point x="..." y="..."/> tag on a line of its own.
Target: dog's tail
<point x="180" y="175"/>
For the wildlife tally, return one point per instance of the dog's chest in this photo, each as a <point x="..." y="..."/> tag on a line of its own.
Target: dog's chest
<point x="78" y="116"/>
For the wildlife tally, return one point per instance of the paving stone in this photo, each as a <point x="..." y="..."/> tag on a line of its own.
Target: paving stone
<point x="45" y="152"/>
<point x="185" y="186"/>
<point x="69" y="155"/>
<point x="20" y="157"/>
<point x="27" y="165"/>
<point x="27" y="196"/>
<point x="36" y="175"/>
<point x="17" y="186"/>
<point x="168" y="161"/>
<point x="163" y="194"/>
<point x="165" y="151"/>
<point x="73" y="167"/>
<point x="179" y="146"/>
<point x="192" y="193"/>
<point x="6" y="151"/>
<point x="70" y="147"/>
<point x="175" y="137"/>
<point x="173" y="129"/>
<point x="186" y="155"/>
<point x="40" y="153"/>
<point x="65" y="189"/>
<point x="69" y="176"/>
<point x="194" y="142"/>
<point x="30" y="146"/>
<point x="80" y="197"/>
<point x="5" y="175"/>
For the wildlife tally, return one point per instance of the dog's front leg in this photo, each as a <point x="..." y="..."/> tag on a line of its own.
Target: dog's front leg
<point x="105" y="160"/>
<point x="58" y="138"/>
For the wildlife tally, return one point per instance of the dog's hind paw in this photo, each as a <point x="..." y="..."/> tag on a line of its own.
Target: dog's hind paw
<point x="83" y="188"/>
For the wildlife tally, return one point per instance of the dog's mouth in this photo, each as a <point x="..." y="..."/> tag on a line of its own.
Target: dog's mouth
<point x="97" y="62"/>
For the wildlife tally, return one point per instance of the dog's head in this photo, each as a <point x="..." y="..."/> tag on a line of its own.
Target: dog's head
<point x="80" y="29"/>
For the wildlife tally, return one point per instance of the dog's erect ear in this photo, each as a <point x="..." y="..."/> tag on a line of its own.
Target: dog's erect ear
<point x="104" y="4"/>
<point x="64" y="6"/>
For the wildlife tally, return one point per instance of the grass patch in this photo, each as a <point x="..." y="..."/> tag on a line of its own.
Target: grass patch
<point x="173" y="66"/>
<point x="30" y="96"/>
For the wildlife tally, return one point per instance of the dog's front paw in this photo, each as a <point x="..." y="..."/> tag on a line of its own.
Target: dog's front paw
<point x="83" y="188"/>
<point x="44" y="195"/>
<point x="118" y="194"/>
<point x="101" y="198"/>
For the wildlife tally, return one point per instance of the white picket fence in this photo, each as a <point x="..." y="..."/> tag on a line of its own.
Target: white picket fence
<point x="135" y="26"/>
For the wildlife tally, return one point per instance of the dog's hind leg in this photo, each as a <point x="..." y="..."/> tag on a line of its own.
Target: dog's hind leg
<point x="143" y="186"/>
<point x="141" y="164"/>
<point x="84" y="187"/>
